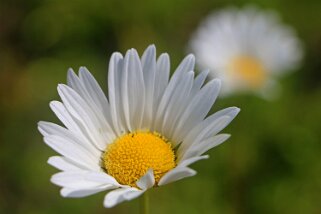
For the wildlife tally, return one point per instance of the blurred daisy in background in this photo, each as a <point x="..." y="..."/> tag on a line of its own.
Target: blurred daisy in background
<point x="248" y="49"/>
<point x="146" y="134"/>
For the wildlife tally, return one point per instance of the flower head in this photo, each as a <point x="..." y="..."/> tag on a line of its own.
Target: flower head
<point x="246" y="48"/>
<point x="146" y="134"/>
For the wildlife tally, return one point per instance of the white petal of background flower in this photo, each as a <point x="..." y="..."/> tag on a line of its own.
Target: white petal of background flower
<point x="231" y="33"/>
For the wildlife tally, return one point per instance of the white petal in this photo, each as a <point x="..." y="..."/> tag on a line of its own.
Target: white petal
<point x="147" y="181"/>
<point x="176" y="104"/>
<point x="74" y="82"/>
<point x="64" y="164"/>
<point x="83" y="179"/>
<point x="197" y="109"/>
<point x="47" y="128"/>
<point x="133" y="91"/>
<point x="176" y="174"/>
<point x="87" y="87"/>
<point x="202" y="147"/>
<point x="192" y="160"/>
<point x="76" y="127"/>
<point x="162" y="76"/>
<point x="149" y="71"/>
<point x="62" y="113"/>
<point x="95" y="92"/>
<point x="208" y="131"/>
<point x="114" y="92"/>
<point x="186" y="65"/>
<point x="77" y="107"/>
<point x="72" y="151"/>
<point x="83" y="192"/>
<point x="199" y="80"/>
<point x="209" y="127"/>
<point x="96" y="100"/>
<point x="119" y="195"/>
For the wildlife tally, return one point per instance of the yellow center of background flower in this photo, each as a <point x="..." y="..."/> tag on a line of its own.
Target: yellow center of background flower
<point x="129" y="157"/>
<point x="249" y="70"/>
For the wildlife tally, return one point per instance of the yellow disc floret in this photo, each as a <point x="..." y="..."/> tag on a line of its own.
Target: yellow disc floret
<point x="249" y="70"/>
<point x="129" y="157"/>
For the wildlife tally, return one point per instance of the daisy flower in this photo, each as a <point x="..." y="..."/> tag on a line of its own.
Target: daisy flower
<point x="145" y="134"/>
<point x="246" y="48"/>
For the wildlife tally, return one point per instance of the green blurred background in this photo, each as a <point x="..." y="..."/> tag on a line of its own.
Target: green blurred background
<point x="272" y="163"/>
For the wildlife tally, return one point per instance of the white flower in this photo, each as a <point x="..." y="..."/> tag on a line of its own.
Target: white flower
<point x="126" y="143"/>
<point x="246" y="48"/>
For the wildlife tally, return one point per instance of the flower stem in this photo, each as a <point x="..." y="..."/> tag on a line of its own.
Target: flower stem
<point x="144" y="205"/>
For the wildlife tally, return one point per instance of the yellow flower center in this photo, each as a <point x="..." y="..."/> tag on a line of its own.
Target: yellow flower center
<point x="129" y="157"/>
<point x="249" y="70"/>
